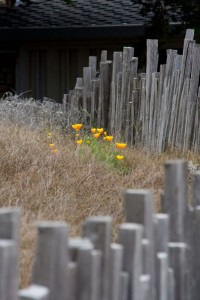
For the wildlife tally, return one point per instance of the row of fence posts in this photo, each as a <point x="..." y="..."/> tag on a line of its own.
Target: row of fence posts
<point x="152" y="109"/>
<point x="156" y="256"/>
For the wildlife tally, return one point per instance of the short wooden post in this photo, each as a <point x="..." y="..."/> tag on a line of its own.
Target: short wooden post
<point x="117" y="68"/>
<point x="130" y="236"/>
<point x="10" y="224"/>
<point x="171" y="284"/>
<point x="151" y="67"/>
<point x="178" y="262"/>
<point x="176" y="198"/>
<point x="34" y="292"/>
<point x="139" y="209"/>
<point x="104" y="93"/>
<point x="93" y="66"/>
<point x="84" y="264"/>
<point x="64" y="102"/>
<point x="196" y="189"/>
<point x="98" y="230"/>
<point x="128" y="53"/>
<point x="95" y="100"/>
<point x="161" y="233"/>
<point x="74" y="244"/>
<point x="146" y="256"/>
<point x="87" y="88"/>
<point x="124" y="283"/>
<point x="51" y="259"/>
<point x="116" y="257"/>
<point x="104" y="55"/>
<point x="96" y="273"/>
<point x="8" y="270"/>
<point x="72" y="281"/>
<point x="145" y="288"/>
<point x="161" y="282"/>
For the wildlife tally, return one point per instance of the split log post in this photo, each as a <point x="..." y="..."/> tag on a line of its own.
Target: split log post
<point x="104" y="94"/>
<point x="175" y="192"/>
<point x="51" y="259"/>
<point x="8" y="270"/>
<point x="34" y="292"/>
<point x="124" y="279"/>
<point x="178" y="262"/>
<point x="117" y="68"/>
<point x="84" y="267"/>
<point x="116" y="257"/>
<point x="130" y="236"/>
<point x="98" y="230"/>
<point x="139" y="209"/>
<point x="87" y="89"/>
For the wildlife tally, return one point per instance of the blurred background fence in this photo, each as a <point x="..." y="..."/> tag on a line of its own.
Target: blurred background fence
<point x="155" y="256"/>
<point x="156" y="109"/>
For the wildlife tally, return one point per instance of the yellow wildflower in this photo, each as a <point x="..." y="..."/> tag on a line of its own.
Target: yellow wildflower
<point x="51" y="145"/>
<point x="109" y="138"/>
<point x="77" y="134"/>
<point x="105" y="133"/>
<point x="93" y="130"/>
<point x="77" y="127"/>
<point x="88" y="141"/>
<point x="100" y="130"/>
<point x="55" y="151"/>
<point x="119" y="157"/>
<point x="120" y="145"/>
<point x="96" y="135"/>
<point x="79" y="142"/>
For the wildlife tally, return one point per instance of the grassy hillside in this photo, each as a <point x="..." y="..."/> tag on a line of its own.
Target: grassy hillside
<point x="76" y="182"/>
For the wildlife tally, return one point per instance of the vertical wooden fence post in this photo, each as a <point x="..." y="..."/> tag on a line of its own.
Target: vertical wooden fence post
<point x="130" y="236"/>
<point x="139" y="209"/>
<point x="116" y="257"/>
<point x="176" y="198"/>
<point x="8" y="270"/>
<point x="34" y="292"/>
<point x="161" y="281"/>
<point x="84" y="264"/>
<point x="51" y="259"/>
<point x="98" y="230"/>
<point x="178" y="262"/>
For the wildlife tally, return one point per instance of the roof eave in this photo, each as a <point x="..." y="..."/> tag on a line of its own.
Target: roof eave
<point x="72" y="33"/>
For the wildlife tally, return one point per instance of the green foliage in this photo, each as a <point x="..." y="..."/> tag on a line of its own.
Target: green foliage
<point x="161" y="13"/>
<point x="105" y="152"/>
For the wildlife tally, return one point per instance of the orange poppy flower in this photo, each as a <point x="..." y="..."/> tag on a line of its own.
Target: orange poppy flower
<point x="120" y="145"/>
<point x="77" y="127"/>
<point x="96" y="135"/>
<point x="109" y="138"/>
<point x="93" y="130"/>
<point x="79" y="142"/>
<point x="100" y="130"/>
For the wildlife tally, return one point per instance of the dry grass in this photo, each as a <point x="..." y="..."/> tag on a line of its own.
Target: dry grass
<point x="68" y="186"/>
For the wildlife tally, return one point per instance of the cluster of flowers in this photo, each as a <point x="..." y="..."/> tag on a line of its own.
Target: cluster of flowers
<point x="97" y="132"/>
<point x="52" y="146"/>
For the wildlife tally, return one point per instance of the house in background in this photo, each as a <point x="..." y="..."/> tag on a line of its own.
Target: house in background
<point x="44" y="46"/>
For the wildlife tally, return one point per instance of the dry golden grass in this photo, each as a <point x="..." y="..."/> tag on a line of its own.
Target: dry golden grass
<point x="68" y="186"/>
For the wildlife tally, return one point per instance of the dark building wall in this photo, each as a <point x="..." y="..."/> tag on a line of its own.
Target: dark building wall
<point x="49" y="69"/>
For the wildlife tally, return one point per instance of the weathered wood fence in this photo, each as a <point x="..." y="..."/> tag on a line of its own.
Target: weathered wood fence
<point x="152" y="109"/>
<point x="156" y="256"/>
